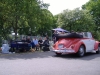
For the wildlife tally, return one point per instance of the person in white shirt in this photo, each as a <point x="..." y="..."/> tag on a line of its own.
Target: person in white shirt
<point x="35" y="41"/>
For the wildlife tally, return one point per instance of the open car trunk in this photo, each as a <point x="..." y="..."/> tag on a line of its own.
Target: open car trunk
<point x="70" y="35"/>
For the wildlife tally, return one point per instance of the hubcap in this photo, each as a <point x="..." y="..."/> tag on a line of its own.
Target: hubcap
<point x="81" y="51"/>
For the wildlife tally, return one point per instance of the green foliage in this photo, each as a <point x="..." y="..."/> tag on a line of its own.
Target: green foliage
<point x="23" y="16"/>
<point x="94" y="8"/>
<point x="32" y="17"/>
<point x="77" y="20"/>
<point x="46" y="22"/>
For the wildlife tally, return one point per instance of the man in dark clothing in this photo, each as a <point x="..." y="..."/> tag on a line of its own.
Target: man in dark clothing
<point x="46" y="45"/>
<point x="40" y="43"/>
<point x="28" y="40"/>
<point x="28" y="43"/>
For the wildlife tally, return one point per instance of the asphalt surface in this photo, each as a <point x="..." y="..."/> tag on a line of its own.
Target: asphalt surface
<point x="47" y="63"/>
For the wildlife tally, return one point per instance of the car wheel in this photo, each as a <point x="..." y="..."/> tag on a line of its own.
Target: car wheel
<point x="58" y="54"/>
<point x="98" y="52"/>
<point x="81" y="51"/>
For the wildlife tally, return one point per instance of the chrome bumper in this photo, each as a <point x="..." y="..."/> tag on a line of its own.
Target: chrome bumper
<point x="64" y="51"/>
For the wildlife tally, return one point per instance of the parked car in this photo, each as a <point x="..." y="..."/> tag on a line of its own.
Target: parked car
<point x="75" y="43"/>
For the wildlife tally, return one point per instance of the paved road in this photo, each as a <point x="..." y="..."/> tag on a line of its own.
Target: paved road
<point x="46" y="63"/>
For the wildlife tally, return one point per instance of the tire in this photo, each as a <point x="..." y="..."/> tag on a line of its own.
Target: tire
<point x="98" y="52"/>
<point x="81" y="51"/>
<point x="58" y="54"/>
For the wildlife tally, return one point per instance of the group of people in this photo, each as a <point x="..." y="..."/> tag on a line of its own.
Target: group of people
<point x="26" y="44"/>
<point x="37" y="44"/>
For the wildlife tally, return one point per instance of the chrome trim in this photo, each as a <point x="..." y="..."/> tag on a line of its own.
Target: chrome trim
<point x="64" y="51"/>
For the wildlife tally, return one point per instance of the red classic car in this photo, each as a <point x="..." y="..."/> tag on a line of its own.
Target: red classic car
<point x="79" y="43"/>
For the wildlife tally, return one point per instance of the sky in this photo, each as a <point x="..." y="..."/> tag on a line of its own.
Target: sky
<point x="57" y="6"/>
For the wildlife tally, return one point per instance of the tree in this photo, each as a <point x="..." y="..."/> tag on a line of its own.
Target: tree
<point x="78" y="20"/>
<point x="20" y="16"/>
<point x="46" y="22"/>
<point x="94" y="8"/>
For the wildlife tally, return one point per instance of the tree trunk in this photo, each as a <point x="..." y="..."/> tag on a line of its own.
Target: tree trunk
<point x="16" y="22"/>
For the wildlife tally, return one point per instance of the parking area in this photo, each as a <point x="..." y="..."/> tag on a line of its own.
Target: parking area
<point x="47" y="63"/>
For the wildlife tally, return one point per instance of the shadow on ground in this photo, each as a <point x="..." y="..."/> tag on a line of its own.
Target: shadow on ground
<point x="48" y="54"/>
<point x="27" y="55"/>
<point x="88" y="56"/>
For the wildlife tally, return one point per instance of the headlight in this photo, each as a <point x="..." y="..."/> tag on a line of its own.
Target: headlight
<point x="60" y="46"/>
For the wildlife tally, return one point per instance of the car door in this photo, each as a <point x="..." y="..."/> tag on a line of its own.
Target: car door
<point x="91" y="40"/>
<point x="88" y="41"/>
<point x="87" y="44"/>
<point x="92" y="43"/>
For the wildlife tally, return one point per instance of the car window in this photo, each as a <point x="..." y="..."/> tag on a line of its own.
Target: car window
<point x="87" y="35"/>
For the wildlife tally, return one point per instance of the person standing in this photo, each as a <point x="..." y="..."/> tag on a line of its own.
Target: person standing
<point x="54" y="36"/>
